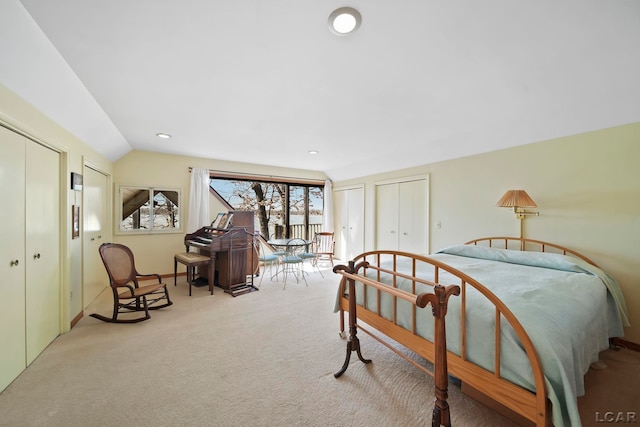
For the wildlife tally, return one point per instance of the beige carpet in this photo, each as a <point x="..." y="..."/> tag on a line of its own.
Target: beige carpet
<point x="613" y="391"/>
<point x="262" y="359"/>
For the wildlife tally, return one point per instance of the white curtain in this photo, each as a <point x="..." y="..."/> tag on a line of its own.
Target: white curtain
<point x="327" y="213"/>
<point x="198" y="200"/>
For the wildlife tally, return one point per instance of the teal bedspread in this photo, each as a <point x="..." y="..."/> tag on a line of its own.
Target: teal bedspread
<point x="568" y="307"/>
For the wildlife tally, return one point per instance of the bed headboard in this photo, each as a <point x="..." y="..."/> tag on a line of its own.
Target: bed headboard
<point x="521" y="244"/>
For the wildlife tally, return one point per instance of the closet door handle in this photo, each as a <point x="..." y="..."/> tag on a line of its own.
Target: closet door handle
<point x="36" y="256"/>
<point x="14" y="263"/>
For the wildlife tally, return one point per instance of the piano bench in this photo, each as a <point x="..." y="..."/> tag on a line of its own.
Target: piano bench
<point x="191" y="260"/>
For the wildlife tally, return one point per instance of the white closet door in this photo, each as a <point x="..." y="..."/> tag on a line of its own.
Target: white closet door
<point x="42" y="248"/>
<point x="355" y="245"/>
<point x="12" y="303"/>
<point x="94" y="204"/>
<point x="387" y="199"/>
<point x="341" y="214"/>
<point x="349" y="223"/>
<point x="402" y="216"/>
<point x="413" y="218"/>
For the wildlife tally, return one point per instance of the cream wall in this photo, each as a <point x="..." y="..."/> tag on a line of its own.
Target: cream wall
<point x="587" y="188"/>
<point x="154" y="252"/>
<point x="19" y="115"/>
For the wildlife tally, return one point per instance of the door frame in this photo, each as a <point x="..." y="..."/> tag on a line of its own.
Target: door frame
<point x="108" y="226"/>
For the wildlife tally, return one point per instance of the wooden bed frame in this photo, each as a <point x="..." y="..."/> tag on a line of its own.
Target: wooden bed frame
<point x="518" y="403"/>
<point x="438" y="300"/>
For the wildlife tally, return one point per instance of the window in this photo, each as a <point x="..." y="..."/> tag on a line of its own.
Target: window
<point x="149" y="210"/>
<point x="282" y="209"/>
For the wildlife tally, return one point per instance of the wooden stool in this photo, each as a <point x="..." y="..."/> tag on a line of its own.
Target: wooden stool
<point x="191" y="260"/>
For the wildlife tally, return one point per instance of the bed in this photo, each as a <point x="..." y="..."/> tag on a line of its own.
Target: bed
<point x="530" y="319"/>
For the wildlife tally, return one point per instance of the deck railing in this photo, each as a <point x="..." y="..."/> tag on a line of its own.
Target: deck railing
<point x="297" y="231"/>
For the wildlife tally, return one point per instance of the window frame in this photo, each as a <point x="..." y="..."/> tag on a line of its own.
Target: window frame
<point x="118" y="230"/>
<point x="270" y="179"/>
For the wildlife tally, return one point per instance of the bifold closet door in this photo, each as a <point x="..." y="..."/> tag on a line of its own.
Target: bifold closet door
<point x="402" y="216"/>
<point x="12" y="265"/>
<point x="42" y="248"/>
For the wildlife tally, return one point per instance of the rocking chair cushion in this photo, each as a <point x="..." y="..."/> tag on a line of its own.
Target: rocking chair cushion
<point x="142" y="290"/>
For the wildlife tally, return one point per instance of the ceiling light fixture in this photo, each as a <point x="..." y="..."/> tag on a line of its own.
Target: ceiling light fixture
<point x="163" y="135"/>
<point x="313" y="151"/>
<point x="344" y="20"/>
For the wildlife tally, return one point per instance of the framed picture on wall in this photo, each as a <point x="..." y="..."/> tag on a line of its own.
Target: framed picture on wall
<point x="75" y="221"/>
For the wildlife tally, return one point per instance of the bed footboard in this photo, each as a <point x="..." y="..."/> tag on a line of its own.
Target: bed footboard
<point x="438" y="300"/>
<point x="370" y="272"/>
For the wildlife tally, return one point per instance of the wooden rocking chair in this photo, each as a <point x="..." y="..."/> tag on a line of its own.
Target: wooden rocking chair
<point x="118" y="260"/>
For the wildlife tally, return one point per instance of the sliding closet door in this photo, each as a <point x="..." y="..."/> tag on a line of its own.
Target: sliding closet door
<point x="12" y="265"/>
<point x="42" y="254"/>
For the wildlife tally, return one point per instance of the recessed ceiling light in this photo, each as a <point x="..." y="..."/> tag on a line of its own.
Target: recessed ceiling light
<point x="313" y="151"/>
<point x="344" y="20"/>
<point x="163" y="135"/>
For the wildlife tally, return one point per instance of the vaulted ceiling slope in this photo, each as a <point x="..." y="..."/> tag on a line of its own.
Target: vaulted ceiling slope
<point x="266" y="81"/>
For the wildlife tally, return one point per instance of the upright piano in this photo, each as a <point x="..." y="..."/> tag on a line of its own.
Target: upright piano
<point x="232" y="254"/>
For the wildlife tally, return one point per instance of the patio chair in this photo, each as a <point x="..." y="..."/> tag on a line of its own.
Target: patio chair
<point x="324" y="245"/>
<point x="312" y="255"/>
<point x="292" y="262"/>
<point x="267" y="260"/>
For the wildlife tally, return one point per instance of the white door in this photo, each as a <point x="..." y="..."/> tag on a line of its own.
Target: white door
<point x="349" y="223"/>
<point x="12" y="265"/>
<point x="42" y="248"/>
<point x="355" y="244"/>
<point x="387" y="216"/>
<point x="340" y="218"/>
<point x="94" y="227"/>
<point x="412" y="216"/>
<point x="402" y="216"/>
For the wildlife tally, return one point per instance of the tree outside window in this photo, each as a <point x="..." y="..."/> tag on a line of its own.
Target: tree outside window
<point x="282" y="210"/>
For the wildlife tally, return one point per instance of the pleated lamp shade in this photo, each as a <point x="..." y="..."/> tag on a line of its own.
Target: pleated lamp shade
<point x="516" y="199"/>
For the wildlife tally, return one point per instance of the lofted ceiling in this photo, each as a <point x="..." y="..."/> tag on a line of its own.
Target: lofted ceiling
<point x="266" y="81"/>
